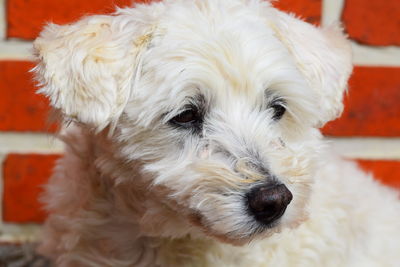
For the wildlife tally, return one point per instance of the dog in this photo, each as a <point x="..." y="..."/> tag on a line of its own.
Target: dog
<point x="192" y="139"/>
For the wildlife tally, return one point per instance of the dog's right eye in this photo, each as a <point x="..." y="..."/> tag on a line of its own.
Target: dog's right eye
<point x="188" y="116"/>
<point x="187" y="119"/>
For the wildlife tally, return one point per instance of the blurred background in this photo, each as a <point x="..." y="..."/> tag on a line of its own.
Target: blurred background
<point x="368" y="131"/>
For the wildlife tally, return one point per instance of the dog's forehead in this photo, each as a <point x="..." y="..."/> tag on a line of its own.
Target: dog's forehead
<point x="223" y="52"/>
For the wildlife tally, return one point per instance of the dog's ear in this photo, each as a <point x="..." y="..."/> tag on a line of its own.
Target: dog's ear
<point x="323" y="55"/>
<point x="87" y="69"/>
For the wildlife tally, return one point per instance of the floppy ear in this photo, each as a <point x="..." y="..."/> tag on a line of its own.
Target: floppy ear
<point x="87" y="69"/>
<point x="323" y="55"/>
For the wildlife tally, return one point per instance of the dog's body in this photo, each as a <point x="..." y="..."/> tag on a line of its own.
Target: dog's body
<point x="195" y="142"/>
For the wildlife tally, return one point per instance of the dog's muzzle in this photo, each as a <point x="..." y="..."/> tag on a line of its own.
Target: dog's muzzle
<point x="267" y="203"/>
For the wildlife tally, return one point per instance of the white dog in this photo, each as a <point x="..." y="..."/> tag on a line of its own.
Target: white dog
<point x="193" y="140"/>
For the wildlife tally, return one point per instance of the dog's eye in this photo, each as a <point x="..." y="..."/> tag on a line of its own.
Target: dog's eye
<point x="187" y="118"/>
<point x="279" y="110"/>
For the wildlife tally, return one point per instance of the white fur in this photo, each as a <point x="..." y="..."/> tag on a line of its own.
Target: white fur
<point x="133" y="190"/>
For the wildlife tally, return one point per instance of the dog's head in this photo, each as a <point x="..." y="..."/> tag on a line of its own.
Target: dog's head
<point x="219" y="101"/>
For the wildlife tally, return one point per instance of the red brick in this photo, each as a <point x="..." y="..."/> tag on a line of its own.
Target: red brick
<point x="21" y="109"/>
<point x="371" y="106"/>
<point x="26" y="18"/>
<point x="24" y="174"/>
<point x="310" y="10"/>
<point x="373" y="22"/>
<point x="386" y="171"/>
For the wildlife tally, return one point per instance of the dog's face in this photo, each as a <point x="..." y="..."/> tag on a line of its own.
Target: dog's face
<point x="217" y="100"/>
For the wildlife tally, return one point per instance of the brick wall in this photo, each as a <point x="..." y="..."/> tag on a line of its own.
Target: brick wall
<point x="368" y="131"/>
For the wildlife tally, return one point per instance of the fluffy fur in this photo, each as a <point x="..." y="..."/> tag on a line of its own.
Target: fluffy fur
<point x="133" y="189"/>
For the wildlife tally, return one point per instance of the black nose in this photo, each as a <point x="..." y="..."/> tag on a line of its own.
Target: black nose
<point x="267" y="203"/>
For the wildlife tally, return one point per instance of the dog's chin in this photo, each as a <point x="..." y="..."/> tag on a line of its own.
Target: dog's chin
<point x="232" y="238"/>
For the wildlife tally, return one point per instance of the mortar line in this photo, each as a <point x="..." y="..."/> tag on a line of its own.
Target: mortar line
<point x="2" y="160"/>
<point x="367" y="148"/>
<point x="40" y="143"/>
<point x="15" y="232"/>
<point x="375" y="56"/>
<point x="3" y="21"/>
<point x="16" y="50"/>
<point x="331" y="11"/>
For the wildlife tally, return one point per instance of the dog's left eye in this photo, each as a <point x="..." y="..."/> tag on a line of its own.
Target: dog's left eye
<point x="279" y="110"/>
<point x="188" y="118"/>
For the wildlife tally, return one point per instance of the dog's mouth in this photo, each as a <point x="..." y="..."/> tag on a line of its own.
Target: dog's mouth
<point x="258" y="231"/>
<point x="196" y="219"/>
